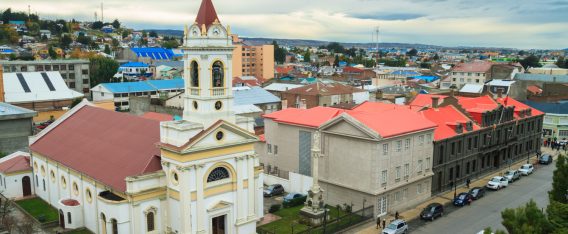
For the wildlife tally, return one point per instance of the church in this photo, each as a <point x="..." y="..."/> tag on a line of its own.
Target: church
<point x="112" y="172"/>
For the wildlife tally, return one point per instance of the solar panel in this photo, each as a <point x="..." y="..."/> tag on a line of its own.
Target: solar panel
<point x="23" y="83"/>
<point x="47" y="81"/>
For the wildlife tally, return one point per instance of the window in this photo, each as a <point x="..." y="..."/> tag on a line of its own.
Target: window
<point x="385" y="149"/>
<point x="404" y="193"/>
<point x="563" y="133"/>
<point x="453" y="148"/>
<point x="63" y="182"/>
<point x="420" y="166"/>
<point x="269" y="148"/>
<point x="275" y="149"/>
<point x="384" y="177"/>
<point x="407" y="144"/>
<point x="459" y="147"/>
<point x="467" y="168"/>
<point x="476" y="80"/>
<point x="194" y="74"/>
<point x="71" y="67"/>
<point x="462" y="80"/>
<point x="398" y="146"/>
<point x="406" y="170"/>
<point x="468" y="143"/>
<point x="397" y="196"/>
<point x="475" y="141"/>
<point x="89" y="195"/>
<point x="72" y="85"/>
<point x="427" y="164"/>
<point x="69" y="217"/>
<point x="397" y="173"/>
<point x="43" y="180"/>
<point x="428" y="138"/>
<point x="218" y="74"/>
<point x="75" y="188"/>
<point x="85" y="72"/>
<point x="114" y="226"/>
<point x="219" y="173"/>
<point x="56" y="67"/>
<point x="419" y="189"/>
<point x="421" y="140"/>
<point x="150" y="221"/>
<point x="473" y="166"/>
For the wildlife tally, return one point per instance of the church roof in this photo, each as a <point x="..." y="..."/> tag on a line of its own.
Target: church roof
<point x="105" y="145"/>
<point x="207" y="14"/>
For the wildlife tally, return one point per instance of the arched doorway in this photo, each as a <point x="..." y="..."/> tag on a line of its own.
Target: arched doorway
<point x="26" y="186"/>
<point x="61" y="219"/>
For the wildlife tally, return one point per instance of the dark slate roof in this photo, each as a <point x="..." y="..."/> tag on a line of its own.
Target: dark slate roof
<point x="549" y="108"/>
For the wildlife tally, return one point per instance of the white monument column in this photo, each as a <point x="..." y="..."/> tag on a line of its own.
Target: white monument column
<point x="200" y="206"/>
<point x="314" y="208"/>
<point x="240" y="192"/>
<point x="185" y="198"/>
<point x="251" y="186"/>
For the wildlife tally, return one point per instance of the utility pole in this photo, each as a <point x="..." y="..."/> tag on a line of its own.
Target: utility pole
<point x="378" y="51"/>
<point x="102" y="13"/>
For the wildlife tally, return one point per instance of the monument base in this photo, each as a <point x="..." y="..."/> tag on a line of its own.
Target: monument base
<point x="314" y="218"/>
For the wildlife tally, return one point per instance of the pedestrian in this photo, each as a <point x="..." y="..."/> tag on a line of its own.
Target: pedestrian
<point x="467" y="181"/>
<point x="378" y="222"/>
<point x="384" y="223"/>
<point x="396" y="215"/>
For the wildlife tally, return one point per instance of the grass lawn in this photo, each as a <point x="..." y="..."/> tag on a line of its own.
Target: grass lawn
<point x="37" y="207"/>
<point x="292" y="216"/>
<point x="80" y="231"/>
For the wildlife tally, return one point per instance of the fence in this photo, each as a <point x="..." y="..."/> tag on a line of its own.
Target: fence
<point x="334" y="225"/>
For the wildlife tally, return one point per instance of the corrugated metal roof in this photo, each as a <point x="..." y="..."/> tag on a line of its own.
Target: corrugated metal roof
<point x="129" y="87"/>
<point x="166" y="84"/>
<point x="542" y="77"/>
<point x="471" y="88"/>
<point x="549" y="108"/>
<point x="134" y="64"/>
<point x="154" y="53"/>
<point x="38" y="88"/>
<point x="254" y="95"/>
<point x="7" y="109"/>
<point x="281" y="87"/>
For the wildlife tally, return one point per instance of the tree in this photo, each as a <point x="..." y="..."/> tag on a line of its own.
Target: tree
<point x="335" y="47"/>
<point x="52" y="53"/>
<point x="307" y="57"/>
<point x="522" y="53"/>
<point x="336" y="61"/>
<point x="153" y="34"/>
<point x="171" y="43"/>
<point x="530" y="61"/>
<point x="436" y="57"/>
<point x="412" y="52"/>
<point x="44" y="38"/>
<point x="125" y="33"/>
<point x="562" y="62"/>
<point x="97" y="25"/>
<point x="102" y="69"/>
<point x="279" y="53"/>
<point x="83" y="39"/>
<point x="527" y="219"/>
<point x="6" y="15"/>
<point x="107" y="50"/>
<point x="116" y="24"/>
<point x="8" y="35"/>
<point x="66" y="41"/>
<point x="557" y="209"/>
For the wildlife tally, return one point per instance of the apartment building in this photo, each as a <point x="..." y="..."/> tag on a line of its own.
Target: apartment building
<point x="252" y="60"/>
<point x="476" y="72"/>
<point x="75" y="72"/>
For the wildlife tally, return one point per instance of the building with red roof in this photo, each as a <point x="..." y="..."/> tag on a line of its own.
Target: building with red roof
<point x="475" y="72"/>
<point x="478" y="135"/>
<point x="16" y="175"/>
<point x="358" y="141"/>
<point x="323" y="94"/>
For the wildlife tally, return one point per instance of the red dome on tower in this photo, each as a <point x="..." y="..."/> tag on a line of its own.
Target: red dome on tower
<point x="207" y="14"/>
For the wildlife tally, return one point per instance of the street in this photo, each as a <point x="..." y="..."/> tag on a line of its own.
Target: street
<point x="486" y="212"/>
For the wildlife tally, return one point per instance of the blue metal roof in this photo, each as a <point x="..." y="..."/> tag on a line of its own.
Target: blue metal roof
<point x="129" y="87"/>
<point x="405" y="73"/>
<point x="542" y="77"/>
<point x="550" y="108"/>
<point x="134" y="64"/>
<point x="154" y="53"/>
<point x="8" y="110"/>
<point x="425" y="78"/>
<point x="254" y="96"/>
<point x="166" y="84"/>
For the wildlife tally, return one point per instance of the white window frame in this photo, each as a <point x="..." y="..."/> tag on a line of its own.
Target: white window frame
<point x="421" y="139"/>
<point x="407" y="144"/>
<point x="384" y="177"/>
<point x="420" y="166"/>
<point x="398" y="145"/>
<point x="406" y="170"/>
<point x="397" y="173"/>
<point x="419" y="188"/>
<point x="385" y="149"/>
<point x="404" y="193"/>
<point x="269" y="148"/>
<point x="429" y="138"/>
<point x="427" y="164"/>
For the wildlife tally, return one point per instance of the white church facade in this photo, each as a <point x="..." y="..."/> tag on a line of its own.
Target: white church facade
<point x="113" y="173"/>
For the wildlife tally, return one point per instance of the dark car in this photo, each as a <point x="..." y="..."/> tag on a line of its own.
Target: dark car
<point x="545" y="159"/>
<point x="477" y="192"/>
<point x="273" y="190"/>
<point x="463" y="199"/>
<point x="432" y="211"/>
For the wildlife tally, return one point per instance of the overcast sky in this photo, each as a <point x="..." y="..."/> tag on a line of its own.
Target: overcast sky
<point x="500" y="23"/>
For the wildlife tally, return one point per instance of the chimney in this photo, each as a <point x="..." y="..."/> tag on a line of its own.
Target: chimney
<point x="1" y="83"/>
<point x="499" y="93"/>
<point x="469" y="126"/>
<point x="459" y="128"/>
<point x="435" y="101"/>
<point x="452" y="92"/>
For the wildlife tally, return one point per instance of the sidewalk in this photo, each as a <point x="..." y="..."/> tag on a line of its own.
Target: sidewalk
<point x="447" y="197"/>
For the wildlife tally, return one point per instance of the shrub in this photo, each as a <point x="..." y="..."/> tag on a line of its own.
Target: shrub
<point x="274" y="208"/>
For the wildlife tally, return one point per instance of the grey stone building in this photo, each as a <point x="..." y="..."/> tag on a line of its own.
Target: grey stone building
<point x="15" y="127"/>
<point x="476" y="136"/>
<point x="75" y="72"/>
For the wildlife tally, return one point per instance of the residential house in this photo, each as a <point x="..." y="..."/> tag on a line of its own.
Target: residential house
<point x="476" y="72"/>
<point x="555" y="119"/>
<point x="16" y="125"/>
<point x="323" y="94"/>
<point x="16" y="175"/>
<point x="120" y="93"/>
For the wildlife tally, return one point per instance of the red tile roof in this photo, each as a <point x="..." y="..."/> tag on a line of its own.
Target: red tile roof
<point x="284" y="70"/>
<point x="422" y="100"/>
<point x="352" y="70"/>
<point x="248" y="82"/>
<point x="534" y="89"/>
<point x="475" y="66"/>
<point x="387" y="120"/>
<point x="207" y="14"/>
<point x="105" y="145"/>
<point x="70" y="202"/>
<point x="446" y="118"/>
<point x="15" y="164"/>
<point x="323" y="89"/>
<point x="519" y="106"/>
<point x="157" y="116"/>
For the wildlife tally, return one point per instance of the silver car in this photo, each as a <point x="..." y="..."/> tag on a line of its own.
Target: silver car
<point x="396" y="227"/>
<point x="526" y="169"/>
<point x="512" y="175"/>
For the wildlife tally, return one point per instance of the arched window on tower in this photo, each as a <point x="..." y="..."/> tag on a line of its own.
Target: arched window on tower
<point x="194" y="74"/>
<point x="114" y="225"/>
<point x="218" y="173"/>
<point x="150" y="221"/>
<point x="218" y="74"/>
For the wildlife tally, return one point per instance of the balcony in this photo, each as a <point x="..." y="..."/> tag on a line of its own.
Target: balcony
<point x="194" y="91"/>
<point x="218" y="91"/>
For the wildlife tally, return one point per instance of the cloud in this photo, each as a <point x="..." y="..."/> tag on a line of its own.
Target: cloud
<point x="520" y="24"/>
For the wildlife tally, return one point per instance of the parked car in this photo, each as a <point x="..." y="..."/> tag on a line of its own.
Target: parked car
<point x="497" y="182"/>
<point x="432" y="211"/>
<point x="512" y="175"/>
<point x="477" y="192"/>
<point x="396" y="227"/>
<point x="273" y="190"/>
<point x="291" y="196"/>
<point x="526" y="169"/>
<point x="463" y="199"/>
<point x="545" y="159"/>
